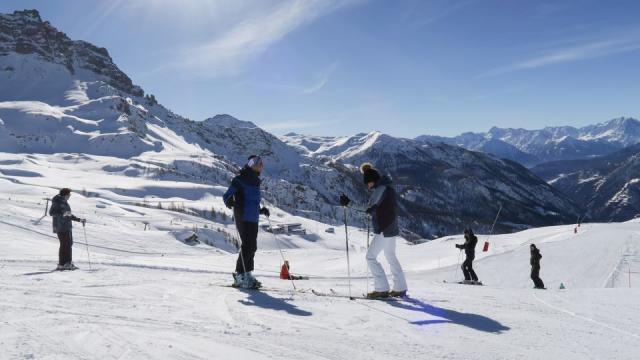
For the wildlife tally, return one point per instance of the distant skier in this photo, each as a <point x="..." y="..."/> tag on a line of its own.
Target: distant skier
<point x="535" y="267"/>
<point x="62" y="226"/>
<point x="382" y="208"/>
<point x="243" y="196"/>
<point x="469" y="248"/>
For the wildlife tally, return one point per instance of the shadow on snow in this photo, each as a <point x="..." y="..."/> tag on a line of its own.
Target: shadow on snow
<point x="266" y="301"/>
<point x="473" y="321"/>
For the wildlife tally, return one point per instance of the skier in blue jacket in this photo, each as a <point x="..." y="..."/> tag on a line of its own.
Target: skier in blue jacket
<point x="243" y="196"/>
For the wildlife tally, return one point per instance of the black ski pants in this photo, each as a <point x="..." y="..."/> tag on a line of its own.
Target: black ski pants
<point x="66" y="244"/>
<point x="467" y="268"/>
<point x="535" y="276"/>
<point x="249" y="236"/>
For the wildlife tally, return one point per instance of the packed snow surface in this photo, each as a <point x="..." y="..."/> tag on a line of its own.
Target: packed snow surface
<point x="148" y="295"/>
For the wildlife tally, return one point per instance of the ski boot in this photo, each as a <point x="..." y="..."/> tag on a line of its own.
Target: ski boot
<point x="238" y="280"/>
<point x="476" y="282"/>
<point x="398" y="294"/>
<point x="253" y="283"/>
<point x="60" y="267"/>
<point x="467" y="282"/>
<point x="69" y="266"/>
<point x="378" y="295"/>
<point x="245" y="281"/>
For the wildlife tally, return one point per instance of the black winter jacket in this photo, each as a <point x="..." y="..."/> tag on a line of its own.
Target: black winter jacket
<point x="535" y="258"/>
<point x="469" y="246"/>
<point x="383" y="202"/>
<point x="60" y="207"/>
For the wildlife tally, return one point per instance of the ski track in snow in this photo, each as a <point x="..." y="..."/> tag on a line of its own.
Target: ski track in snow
<point x="584" y="318"/>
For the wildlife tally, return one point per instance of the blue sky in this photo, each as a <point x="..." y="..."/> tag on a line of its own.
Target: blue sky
<point x="405" y="67"/>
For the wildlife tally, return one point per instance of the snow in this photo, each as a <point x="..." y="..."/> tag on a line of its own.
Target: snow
<point x="148" y="295"/>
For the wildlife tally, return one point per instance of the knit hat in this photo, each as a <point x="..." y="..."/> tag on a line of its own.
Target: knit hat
<point x="254" y="160"/>
<point x="369" y="174"/>
<point x="65" y="191"/>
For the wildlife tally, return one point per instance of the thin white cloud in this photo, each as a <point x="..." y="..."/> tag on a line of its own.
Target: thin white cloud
<point x="617" y="44"/>
<point x="228" y="53"/>
<point x="323" y="79"/>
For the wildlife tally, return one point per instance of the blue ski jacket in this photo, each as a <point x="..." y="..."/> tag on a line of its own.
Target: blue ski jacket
<point x="244" y="194"/>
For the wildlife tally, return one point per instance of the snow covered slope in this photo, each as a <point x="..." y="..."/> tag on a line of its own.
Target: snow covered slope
<point x="149" y="295"/>
<point x="65" y="96"/>
<point x="551" y="143"/>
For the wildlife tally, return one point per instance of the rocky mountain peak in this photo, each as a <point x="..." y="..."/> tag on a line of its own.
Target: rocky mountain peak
<point x="226" y="120"/>
<point x="24" y="32"/>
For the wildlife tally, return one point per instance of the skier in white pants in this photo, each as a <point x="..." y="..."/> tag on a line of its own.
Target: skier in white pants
<point x="382" y="208"/>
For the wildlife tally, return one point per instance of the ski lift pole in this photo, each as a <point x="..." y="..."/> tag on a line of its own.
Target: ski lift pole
<point x="486" y="245"/>
<point x="495" y="220"/>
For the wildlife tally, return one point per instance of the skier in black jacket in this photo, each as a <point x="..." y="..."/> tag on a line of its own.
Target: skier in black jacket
<point x="62" y="226"/>
<point x="382" y="208"/>
<point x="469" y="247"/>
<point x="535" y="267"/>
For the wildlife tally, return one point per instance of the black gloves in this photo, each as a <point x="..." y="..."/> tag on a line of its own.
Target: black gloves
<point x="230" y="203"/>
<point x="344" y="200"/>
<point x="83" y="221"/>
<point x="460" y="246"/>
<point x="264" y="211"/>
<point x="370" y="210"/>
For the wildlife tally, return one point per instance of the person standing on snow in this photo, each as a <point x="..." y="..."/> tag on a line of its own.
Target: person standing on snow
<point x="535" y="267"/>
<point x="62" y="226"/>
<point x="469" y="247"/>
<point x="243" y="196"/>
<point x="382" y="209"/>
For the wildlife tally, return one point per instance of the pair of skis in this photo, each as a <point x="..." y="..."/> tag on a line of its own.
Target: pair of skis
<point x="464" y="282"/>
<point x="332" y="293"/>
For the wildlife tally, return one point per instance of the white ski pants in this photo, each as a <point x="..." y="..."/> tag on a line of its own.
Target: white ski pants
<point x="388" y="245"/>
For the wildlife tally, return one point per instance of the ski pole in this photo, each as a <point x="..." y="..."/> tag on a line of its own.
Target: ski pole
<point x="86" y="242"/>
<point x="368" y="232"/>
<point x="46" y="207"/>
<point x="240" y="251"/>
<point x="275" y="237"/>
<point x="346" y="234"/>
<point x="457" y="266"/>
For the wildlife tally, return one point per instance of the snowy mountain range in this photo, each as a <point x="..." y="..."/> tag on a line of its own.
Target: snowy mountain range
<point x="608" y="187"/>
<point x="65" y="96"/>
<point x="436" y="180"/>
<point x="532" y="147"/>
